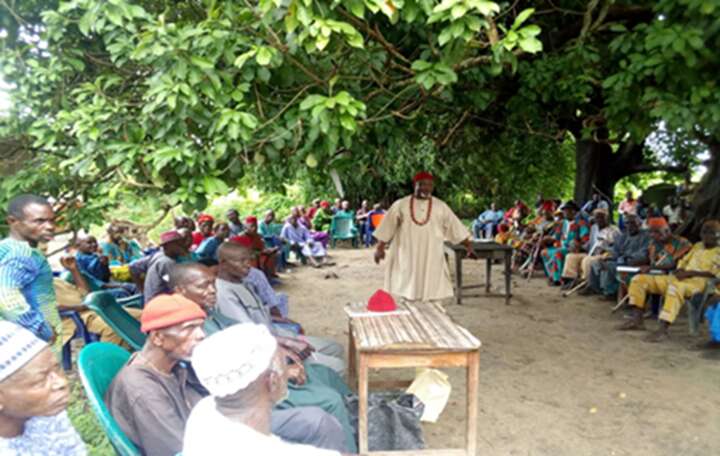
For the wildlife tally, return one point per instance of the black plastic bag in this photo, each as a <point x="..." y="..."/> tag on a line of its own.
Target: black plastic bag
<point x="393" y="421"/>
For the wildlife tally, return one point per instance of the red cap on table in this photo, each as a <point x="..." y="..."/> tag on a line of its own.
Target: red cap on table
<point x="381" y="301"/>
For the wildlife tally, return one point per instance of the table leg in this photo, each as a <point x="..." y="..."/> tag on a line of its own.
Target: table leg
<point x="352" y="358"/>
<point x="363" y="405"/>
<point x="473" y="373"/>
<point x="458" y="279"/>
<point x="488" y="270"/>
<point x="508" y="267"/>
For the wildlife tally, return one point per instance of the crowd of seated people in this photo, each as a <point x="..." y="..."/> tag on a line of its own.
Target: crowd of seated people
<point x="223" y="363"/>
<point x="579" y="249"/>
<point x="191" y="290"/>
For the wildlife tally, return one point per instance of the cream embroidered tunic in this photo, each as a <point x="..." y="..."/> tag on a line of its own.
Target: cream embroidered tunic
<point x="416" y="268"/>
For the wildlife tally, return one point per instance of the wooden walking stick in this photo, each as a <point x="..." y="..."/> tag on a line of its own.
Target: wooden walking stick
<point x="620" y="304"/>
<point x="574" y="289"/>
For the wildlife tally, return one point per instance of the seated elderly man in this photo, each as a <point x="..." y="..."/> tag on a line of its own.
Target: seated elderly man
<point x="484" y="225"/>
<point x="238" y="302"/>
<point x="33" y="396"/>
<point x="243" y="390"/>
<point x="152" y="396"/>
<point x="299" y="239"/>
<point x="694" y="271"/>
<point x="312" y="385"/>
<point x="630" y="249"/>
<point x="602" y="239"/>
<point x="96" y="270"/>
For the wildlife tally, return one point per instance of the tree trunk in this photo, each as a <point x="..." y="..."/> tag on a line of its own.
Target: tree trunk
<point x="592" y="172"/>
<point x="705" y="202"/>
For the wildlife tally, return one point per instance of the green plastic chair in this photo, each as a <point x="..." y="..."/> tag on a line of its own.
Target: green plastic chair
<point x="343" y="228"/>
<point x="98" y="364"/>
<point x="136" y="301"/>
<point x="112" y="313"/>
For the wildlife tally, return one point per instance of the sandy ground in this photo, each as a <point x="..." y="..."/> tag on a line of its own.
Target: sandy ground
<point x="555" y="377"/>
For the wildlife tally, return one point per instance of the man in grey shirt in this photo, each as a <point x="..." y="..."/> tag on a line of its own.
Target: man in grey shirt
<point x="157" y="279"/>
<point x="237" y="301"/>
<point x="630" y="249"/>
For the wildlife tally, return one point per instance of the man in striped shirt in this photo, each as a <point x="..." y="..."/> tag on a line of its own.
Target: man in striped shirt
<point x="27" y="296"/>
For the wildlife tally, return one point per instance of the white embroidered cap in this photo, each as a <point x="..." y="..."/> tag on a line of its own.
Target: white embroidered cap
<point x="17" y="347"/>
<point x="231" y="359"/>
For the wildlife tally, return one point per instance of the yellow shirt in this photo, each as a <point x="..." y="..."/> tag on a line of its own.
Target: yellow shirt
<point x="703" y="259"/>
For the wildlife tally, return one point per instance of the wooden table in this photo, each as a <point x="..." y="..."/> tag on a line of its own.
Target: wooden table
<point x="419" y="335"/>
<point x="489" y="251"/>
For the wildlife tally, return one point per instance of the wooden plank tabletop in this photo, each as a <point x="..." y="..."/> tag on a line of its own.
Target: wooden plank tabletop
<point x="415" y="326"/>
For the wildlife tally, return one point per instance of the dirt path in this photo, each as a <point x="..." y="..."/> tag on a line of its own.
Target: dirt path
<point x="555" y="377"/>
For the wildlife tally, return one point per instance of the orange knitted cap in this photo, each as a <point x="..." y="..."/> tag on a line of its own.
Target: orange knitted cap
<point x="165" y="310"/>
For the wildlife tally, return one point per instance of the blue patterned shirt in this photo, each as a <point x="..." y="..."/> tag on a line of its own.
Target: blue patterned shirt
<point x="27" y="296"/>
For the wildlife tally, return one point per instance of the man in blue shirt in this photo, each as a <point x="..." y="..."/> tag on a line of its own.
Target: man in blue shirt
<point x="206" y="253"/>
<point x="27" y="296"/>
<point x="484" y="226"/>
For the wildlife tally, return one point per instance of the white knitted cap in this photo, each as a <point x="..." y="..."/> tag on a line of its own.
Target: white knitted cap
<point x="17" y="347"/>
<point x="231" y="359"/>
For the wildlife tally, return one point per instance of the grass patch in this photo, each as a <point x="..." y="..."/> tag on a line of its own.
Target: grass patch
<point x="84" y="420"/>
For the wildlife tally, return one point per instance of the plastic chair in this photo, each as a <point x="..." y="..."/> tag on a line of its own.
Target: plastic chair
<point x="375" y="220"/>
<point x="124" y="325"/>
<point x="136" y="301"/>
<point x="696" y="304"/>
<point x="81" y="332"/>
<point x="98" y="364"/>
<point x="343" y="228"/>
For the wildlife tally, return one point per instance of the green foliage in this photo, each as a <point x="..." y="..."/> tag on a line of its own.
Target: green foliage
<point x="184" y="101"/>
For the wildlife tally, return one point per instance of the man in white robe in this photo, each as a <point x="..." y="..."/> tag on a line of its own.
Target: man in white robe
<point x="418" y="226"/>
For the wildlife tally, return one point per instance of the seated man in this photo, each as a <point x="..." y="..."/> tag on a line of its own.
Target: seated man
<point x="120" y="251"/>
<point x="630" y="249"/>
<point x="96" y="269"/>
<point x="595" y="202"/>
<point x="238" y="302"/>
<point x="243" y="390"/>
<point x="157" y="279"/>
<point x="234" y="224"/>
<point x="312" y="385"/>
<point x="298" y="237"/>
<point x="152" y="396"/>
<point x="694" y="270"/>
<point x="345" y="210"/>
<point x="602" y="239"/>
<point x="206" y="252"/>
<point x="33" y="396"/>
<point x="265" y="258"/>
<point x="70" y="297"/>
<point x="484" y="226"/>
<point x="575" y="234"/>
